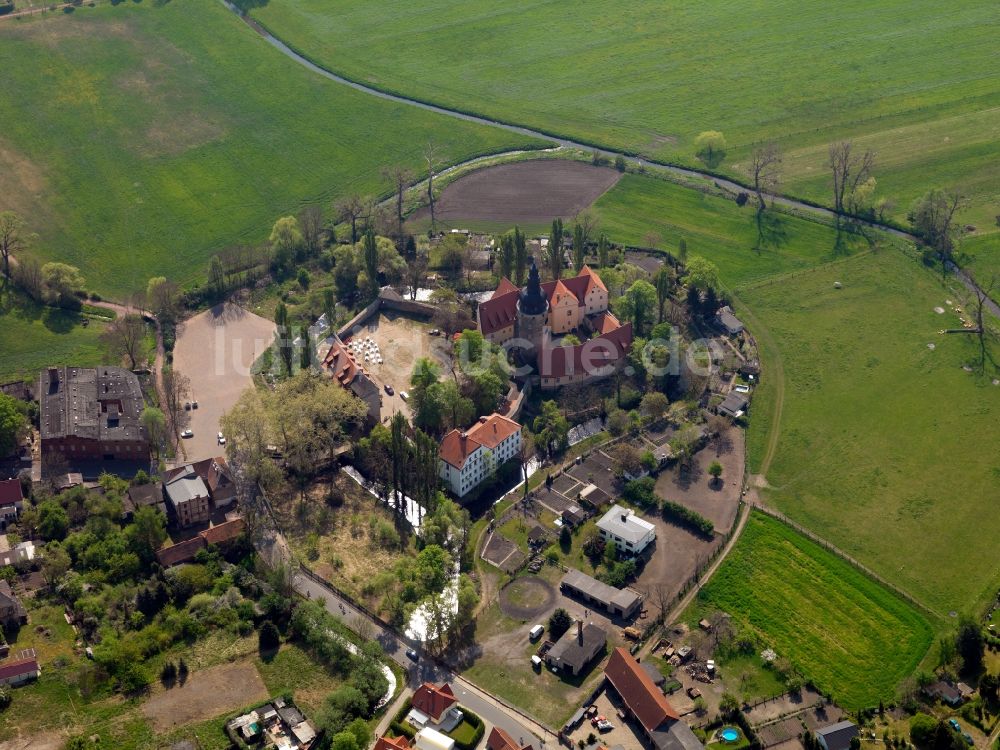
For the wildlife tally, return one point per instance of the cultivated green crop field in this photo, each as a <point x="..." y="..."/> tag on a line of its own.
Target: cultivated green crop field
<point x="884" y="445"/>
<point x="850" y="636"/>
<point x="33" y="337"/>
<point x="916" y="80"/>
<point x="718" y="229"/>
<point x="137" y="140"/>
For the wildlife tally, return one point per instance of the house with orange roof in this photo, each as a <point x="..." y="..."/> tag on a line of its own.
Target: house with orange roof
<point x="467" y="457"/>
<point x="392" y="743"/>
<point x="500" y="740"/>
<point x="342" y="366"/>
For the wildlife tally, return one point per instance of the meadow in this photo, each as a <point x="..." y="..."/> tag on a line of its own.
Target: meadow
<point x="917" y="81"/>
<point x="718" y="229"/>
<point x="851" y="637"/>
<point x="34" y="336"/>
<point x="139" y="139"/>
<point x="881" y="444"/>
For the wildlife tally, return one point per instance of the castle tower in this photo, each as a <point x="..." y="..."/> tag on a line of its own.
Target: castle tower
<point x="532" y="310"/>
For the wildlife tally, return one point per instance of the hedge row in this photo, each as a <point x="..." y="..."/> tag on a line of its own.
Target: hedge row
<point x="686" y="517"/>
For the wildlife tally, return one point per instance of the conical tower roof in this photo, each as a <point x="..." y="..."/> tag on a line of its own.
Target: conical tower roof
<point x="533" y="300"/>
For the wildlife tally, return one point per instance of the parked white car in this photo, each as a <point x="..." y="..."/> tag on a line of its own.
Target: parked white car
<point x="187" y="434"/>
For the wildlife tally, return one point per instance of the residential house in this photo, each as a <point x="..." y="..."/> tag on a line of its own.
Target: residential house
<point x="944" y="692"/>
<point x="188" y="496"/>
<point x="143" y="496"/>
<point x="18" y="672"/>
<point x="622" y="603"/>
<point x="734" y="405"/>
<point x="22" y="552"/>
<point x="730" y="323"/>
<point x="469" y="457"/>
<point x="342" y="366"/>
<point x="500" y="740"/>
<point x="646" y="704"/>
<point x="837" y="736"/>
<point x="392" y="743"/>
<point x="11" y="501"/>
<point x="434" y="707"/>
<point x="92" y="414"/>
<point x="577" y="648"/>
<point x="12" y="612"/>
<point x="627" y="531"/>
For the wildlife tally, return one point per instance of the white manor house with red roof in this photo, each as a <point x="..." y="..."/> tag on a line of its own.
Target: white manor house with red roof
<point x="534" y="315"/>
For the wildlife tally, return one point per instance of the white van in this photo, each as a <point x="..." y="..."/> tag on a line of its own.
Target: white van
<point x="536" y="632"/>
<point x="536" y="662"/>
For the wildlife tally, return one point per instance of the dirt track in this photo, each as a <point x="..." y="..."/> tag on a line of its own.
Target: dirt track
<point x="524" y="192"/>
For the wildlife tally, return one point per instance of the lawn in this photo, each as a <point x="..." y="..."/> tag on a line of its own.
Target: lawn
<point x="851" y="637"/>
<point x="982" y="259"/>
<point x="882" y="442"/>
<point x="34" y="336"/>
<point x="718" y="229"/>
<point x="917" y="81"/>
<point x="141" y="138"/>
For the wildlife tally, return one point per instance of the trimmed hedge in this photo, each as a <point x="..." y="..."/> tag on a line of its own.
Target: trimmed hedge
<point x="686" y="517"/>
<point x="479" y="729"/>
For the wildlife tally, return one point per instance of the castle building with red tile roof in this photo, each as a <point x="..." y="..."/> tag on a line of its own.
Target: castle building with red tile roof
<point x="554" y="308"/>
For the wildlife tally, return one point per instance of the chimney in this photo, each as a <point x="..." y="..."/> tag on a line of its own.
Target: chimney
<point x="482" y="420"/>
<point x="579" y="631"/>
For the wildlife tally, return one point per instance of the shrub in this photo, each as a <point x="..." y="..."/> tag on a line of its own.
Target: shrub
<point x="478" y="730"/>
<point x="640" y="492"/>
<point x="677" y="513"/>
<point x="268" y="638"/>
<point x="620" y="163"/>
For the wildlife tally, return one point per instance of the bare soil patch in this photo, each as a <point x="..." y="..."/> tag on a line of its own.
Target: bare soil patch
<point x="41" y="741"/>
<point x="206" y="694"/>
<point x="527" y="597"/>
<point x="523" y="192"/>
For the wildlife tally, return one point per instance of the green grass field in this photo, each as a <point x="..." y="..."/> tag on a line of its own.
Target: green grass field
<point x="847" y="634"/>
<point x="883" y="443"/>
<point x="982" y="253"/>
<point x="914" y="80"/>
<point x="140" y="139"/>
<point x="718" y="229"/>
<point x="33" y="336"/>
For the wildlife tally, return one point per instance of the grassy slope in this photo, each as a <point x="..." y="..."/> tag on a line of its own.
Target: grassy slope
<point x="716" y="228"/>
<point x="881" y="448"/>
<point x="983" y="261"/>
<point x="834" y="623"/>
<point x="33" y="336"/>
<point x="650" y="76"/>
<point x="138" y="140"/>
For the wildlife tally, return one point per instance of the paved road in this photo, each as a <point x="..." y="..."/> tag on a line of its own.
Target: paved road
<point x="425" y="670"/>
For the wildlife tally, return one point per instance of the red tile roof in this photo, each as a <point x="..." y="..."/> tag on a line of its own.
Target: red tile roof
<point x="10" y="492"/>
<point x="498" y="312"/>
<point x="432" y="700"/>
<point x="500" y="740"/>
<point x="594" y="357"/>
<point x="595" y="280"/>
<point x="636" y="688"/>
<point x="392" y="743"/>
<point x="489" y="432"/>
<point x="506" y="285"/>
<point x="180" y="552"/>
<point x="605" y="322"/>
<point x="341" y="363"/>
<point x="18" y="668"/>
<point x="224" y="532"/>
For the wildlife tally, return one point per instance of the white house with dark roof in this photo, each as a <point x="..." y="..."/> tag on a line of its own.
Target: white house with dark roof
<point x="624" y="529"/>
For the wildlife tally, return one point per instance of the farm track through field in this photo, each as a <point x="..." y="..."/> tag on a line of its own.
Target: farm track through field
<point x="663" y="167"/>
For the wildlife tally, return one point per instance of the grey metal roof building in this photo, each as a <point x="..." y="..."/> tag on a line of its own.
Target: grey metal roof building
<point x="837" y="736"/>
<point x="621" y="602"/>
<point x="577" y="648"/>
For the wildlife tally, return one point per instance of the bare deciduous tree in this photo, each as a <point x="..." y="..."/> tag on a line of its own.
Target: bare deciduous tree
<point x="12" y="238"/>
<point x="176" y="390"/>
<point x="765" y="167"/>
<point x="933" y="217"/>
<point x="124" y="338"/>
<point x="982" y="295"/>
<point x="311" y="225"/>
<point x="351" y="208"/>
<point x="415" y="271"/>
<point x="849" y="170"/>
<point x="431" y="156"/>
<point x="401" y="177"/>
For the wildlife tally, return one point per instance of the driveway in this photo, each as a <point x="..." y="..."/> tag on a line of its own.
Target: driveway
<point x="216" y="349"/>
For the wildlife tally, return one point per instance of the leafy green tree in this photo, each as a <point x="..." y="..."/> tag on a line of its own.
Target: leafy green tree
<point x="329" y="307"/>
<point x="370" y="249"/>
<point x="13" y="424"/>
<point x="506" y="243"/>
<point x="53" y="521"/>
<point x="156" y="426"/>
<point x="579" y="247"/>
<point x="551" y="429"/>
<point x="603" y="251"/>
<point x="61" y="281"/>
<point x="344" y="741"/>
<point x="729" y="704"/>
<point x="555" y="249"/>
<point x="710" y="147"/>
<point x="970" y="644"/>
<point x="520" y="256"/>
<point x="701" y="274"/>
<point x="933" y="218"/>
<point x="216" y="277"/>
<point x="715" y="470"/>
<point x="654" y="405"/>
<point x="147" y="532"/>
<point x="268" y="638"/>
<point x="664" y="283"/>
<point x="638" y="304"/>
<point x="682" y="250"/>
<point x="559" y="623"/>
<point x="306" y="351"/>
<point x="286" y="240"/>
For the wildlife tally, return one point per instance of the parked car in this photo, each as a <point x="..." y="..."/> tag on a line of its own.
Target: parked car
<point x="388" y="389"/>
<point x="605" y="726"/>
<point x="536" y="632"/>
<point x="404" y="395"/>
<point x="968" y="739"/>
<point x="187" y="406"/>
<point x="187" y="434"/>
<point x="742" y="388"/>
<point x="222" y="439"/>
<point x="194" y="404"/>
<point x="434" y="332"/>
<point x="955" y="725"/>
<point x="412" y="654"/>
